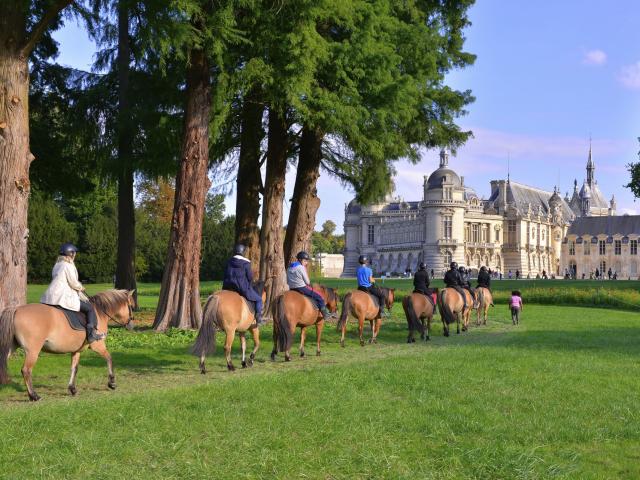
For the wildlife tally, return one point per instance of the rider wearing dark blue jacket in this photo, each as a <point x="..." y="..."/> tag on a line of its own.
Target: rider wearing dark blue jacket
<point x="238" y="277"/>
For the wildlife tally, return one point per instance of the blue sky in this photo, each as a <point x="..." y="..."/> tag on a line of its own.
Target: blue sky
<point x="548" y="75"/>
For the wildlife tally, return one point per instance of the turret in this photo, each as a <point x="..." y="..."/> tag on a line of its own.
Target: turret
<point x="612" y="205"/>
<point x="591" y="168"/>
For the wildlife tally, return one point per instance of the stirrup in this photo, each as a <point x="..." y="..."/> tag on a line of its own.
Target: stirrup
<point x="95" y="336"/>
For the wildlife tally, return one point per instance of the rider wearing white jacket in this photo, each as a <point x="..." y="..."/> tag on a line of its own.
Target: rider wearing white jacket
<point x="67" y="292"/>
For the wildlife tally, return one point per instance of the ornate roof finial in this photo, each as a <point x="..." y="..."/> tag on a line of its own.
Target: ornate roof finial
<point x="590" y="165"/>
<point x="444" y="158"/>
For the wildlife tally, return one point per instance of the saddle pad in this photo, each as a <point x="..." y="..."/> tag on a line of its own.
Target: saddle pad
<point x="77" y="320"/>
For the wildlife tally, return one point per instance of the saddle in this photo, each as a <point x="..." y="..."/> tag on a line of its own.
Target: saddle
<point x="431" y="298"/>
<point x="77" y="320"/>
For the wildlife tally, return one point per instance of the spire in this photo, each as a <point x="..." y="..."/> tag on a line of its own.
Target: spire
<point x="590" y="166"/>
<point x="444" y="158"/>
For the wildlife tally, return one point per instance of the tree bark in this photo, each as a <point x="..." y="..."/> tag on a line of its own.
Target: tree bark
<point x="179" y="304"/>
<point x="16" y="45"/>
<point x="249" y="181"/>
<point x="126" y="259"/>
<point x="272" y="262"/>
<point x="305" y="204"/>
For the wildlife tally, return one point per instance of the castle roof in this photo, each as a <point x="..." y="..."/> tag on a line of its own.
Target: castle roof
<point x="522" y="196"/>
<point x="607" y="225"/>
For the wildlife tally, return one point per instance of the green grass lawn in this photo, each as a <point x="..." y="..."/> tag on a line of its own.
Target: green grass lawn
<point x="556" y="397"/>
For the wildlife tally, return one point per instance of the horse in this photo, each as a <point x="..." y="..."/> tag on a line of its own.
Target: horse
<point x="417" y="309"/>
<point x="292" y="309"/>
<point x="36" y="327"/>
<point x="227" y="310"/>
<point x="451" y="308"/>
<point x="485" y="300"/>
<point x="360" y="305"/>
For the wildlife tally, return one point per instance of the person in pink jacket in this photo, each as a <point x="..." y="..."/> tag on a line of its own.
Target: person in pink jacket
<point x="516" y="306"/>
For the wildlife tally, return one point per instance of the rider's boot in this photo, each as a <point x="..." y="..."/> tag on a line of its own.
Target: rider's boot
<point x="259" y="320"/>
<point x="92" y="333"/>
<point x="326" y="314"/>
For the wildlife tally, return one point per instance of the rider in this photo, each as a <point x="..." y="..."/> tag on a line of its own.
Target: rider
<point x="298" y="280"/>
<point x="67" y="292"/>
<point x="421" y="281"/>
<point x="484" y="279"/>
<point x="366" y="283"/>
<point x="452" y="280"/>
<point x="238" y="278"/>
<point x="465" y="278"/>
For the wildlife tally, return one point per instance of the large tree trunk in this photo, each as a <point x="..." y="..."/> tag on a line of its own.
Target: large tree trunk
<point x="15" y="158"/>
<point x="179" y="304"/>
<point x="249" y="182"/>
<point x="126" y="255"/>
<point x="272" y="262"/>
<point x="305" y="204"/>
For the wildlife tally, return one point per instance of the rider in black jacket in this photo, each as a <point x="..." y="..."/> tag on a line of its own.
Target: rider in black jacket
<point x="466" y="283"/>
<point x="484" y="279"/>
<point x="421" y="281"/>
<point x="452" y="280"/>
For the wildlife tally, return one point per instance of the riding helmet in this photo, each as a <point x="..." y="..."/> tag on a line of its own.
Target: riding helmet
<point x="483" y="268"/>
<point x="362" y="259"/>
<point x="239" y="249"/>
<point x="461" y="269"/>
<point x="67" y="249"/>
<point x="303" y="256"/>
<point x="422" y="266"/>
<point x="453" y="265"/>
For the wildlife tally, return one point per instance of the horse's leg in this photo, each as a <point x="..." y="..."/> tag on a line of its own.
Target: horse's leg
<point x="373" y="330"/>
<point x="101" y="349"/>
<point x="227" y="348"/>
<point x="256" y="345"/>
<point x="30" y="359"/>
<point x="427" y="327"/>
<point x="361" y="329"/>
<point x="458" y="315"/>
<point x="376" y="329"/>
<point x="75" y="360"/>
<point x="344" y="330"/>
<point x="303" y="335"/>
<point x="274" y="351"/>
<point x="319" y="327"/>
<point x="243" y="344"/>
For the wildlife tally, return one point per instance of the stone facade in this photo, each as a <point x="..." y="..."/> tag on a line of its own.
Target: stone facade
<point x="329" y="265"/>
<point x="518" y="228"/>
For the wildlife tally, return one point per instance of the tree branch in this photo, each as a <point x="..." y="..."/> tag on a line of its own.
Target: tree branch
<point x="38" y="30"/>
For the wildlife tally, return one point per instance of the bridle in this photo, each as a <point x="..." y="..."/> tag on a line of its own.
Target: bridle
<point x="129" y="320"/>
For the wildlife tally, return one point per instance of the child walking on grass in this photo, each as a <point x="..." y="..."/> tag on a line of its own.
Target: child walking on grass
<point x="516" y="306"/>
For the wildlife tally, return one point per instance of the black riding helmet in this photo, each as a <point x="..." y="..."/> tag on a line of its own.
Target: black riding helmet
<point x="461" y="269"/>
<point x="453" y="265"/>
<point x="303" y="256"/>
<point x="483" y="268"/>
<point x="422" y="266"/>
<point x="67" y="249"/>
<point x="362" y="259"/>
<point x="239" y="249"/>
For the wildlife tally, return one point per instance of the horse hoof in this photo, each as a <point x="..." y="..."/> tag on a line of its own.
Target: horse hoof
<point x="287" y="358"/>
<point x="203" y="371"/>
<point x="408" y="340"/>
<point x="244" y="364"/>
<point x="231" y="368"/>
<point x="111" y="385"/>
<point x="413" y="340"/>
<point x="35" y="397"/>
<point x="273" y="356"/>
<point x="72" y="390"/>
<point x="342" y="344"/>
<point x="362" y="343"/>
<point x="301" y="354"/>
<point x="446" y="334"/>
<point x="317" y="354"/>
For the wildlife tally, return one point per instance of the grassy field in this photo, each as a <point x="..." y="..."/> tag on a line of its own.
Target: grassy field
<point x="556" y="397"/>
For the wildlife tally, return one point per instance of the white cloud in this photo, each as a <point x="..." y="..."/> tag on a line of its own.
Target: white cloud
<point x="595" y="57"/>
<point x="629" y="76"/>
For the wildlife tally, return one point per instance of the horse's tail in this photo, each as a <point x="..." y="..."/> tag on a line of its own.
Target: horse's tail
<point x="445" y="311"/>
<point x="480" y="294"/>
<point x="410" y="312"/>
<point x="281" y="326"/>
<point x="7" y="341"/>
<point x="346" y="308"/>
<point x="206" y="339"/>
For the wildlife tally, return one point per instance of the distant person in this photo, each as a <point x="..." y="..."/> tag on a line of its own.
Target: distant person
<point x="517" y="274"/>
<point x="516" y="305"/>
<point x="510" y="274"/>
<point x="465" y="277"/>
<point x="452" y="280"/>
<point x="66" y="291"/>
<point x="298" y="280"/>
<point x="544" y="275"/>
<point x="421" y="281"/>
<point x="500" y="275"/>
<point x="609" y="273"/>
<point x="238" y="278"/>
<point x="432" y="275"/>
<point x="366" y="283"/>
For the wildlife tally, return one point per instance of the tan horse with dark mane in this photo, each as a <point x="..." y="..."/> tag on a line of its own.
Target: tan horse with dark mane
<point x="37" y="327"/>
<point x="419" y="312"/>
<point x="452" y="309"/>
<point x="292" y="310"/>
<point x="360" y="305"/>
<point x="227" y="310"/>
<point x="485" y="300"/>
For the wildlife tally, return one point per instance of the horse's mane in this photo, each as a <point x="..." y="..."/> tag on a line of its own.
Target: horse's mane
<point x="110" y="300"/>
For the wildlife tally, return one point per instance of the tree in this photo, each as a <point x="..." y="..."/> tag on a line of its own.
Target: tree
<point x="23" y="24"/>
<point x="634" y="170"/>
<point x="328" y="228"/>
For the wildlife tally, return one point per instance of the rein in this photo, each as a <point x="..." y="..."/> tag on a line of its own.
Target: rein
<point x="130" y="319"/>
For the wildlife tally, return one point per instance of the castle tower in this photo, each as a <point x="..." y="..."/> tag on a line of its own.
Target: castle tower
<point x="591" y="168"/>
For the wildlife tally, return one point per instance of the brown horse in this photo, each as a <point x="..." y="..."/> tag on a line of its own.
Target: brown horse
<point x="360" y="305"/>
<point x="292" y="310"/>
<point x="417" y="309"/>
<point x="37" y="327"/>
<point x="227" y="310"/>
<point x="451" y="308"/>
<point x="485" y="300"/>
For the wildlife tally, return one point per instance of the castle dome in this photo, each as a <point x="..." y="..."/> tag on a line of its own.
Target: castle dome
<point x="443" y="174"/>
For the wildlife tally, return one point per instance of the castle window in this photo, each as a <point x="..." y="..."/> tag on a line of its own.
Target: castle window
<point x="633" y="247"/>
<point x="511" y="231"/>
<point x="572" y="247"/>
<point x="447" y="227"/>
<point x="617" y="245"/>
<point x="447" y="193"/>
<point x="447" y="259"/>
<point x="370" y="234"/>
<point x="475" y="232"/>
<point x="587" y="248"/>
<point x="485" y="233"/>
<point x="602" y="247"/>
<point x="603" y="267"/>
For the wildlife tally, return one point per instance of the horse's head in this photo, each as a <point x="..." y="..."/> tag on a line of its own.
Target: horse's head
<point x="332" y="299"/>
<point x="116" y="305"/>
<point x="389" y="298"/>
